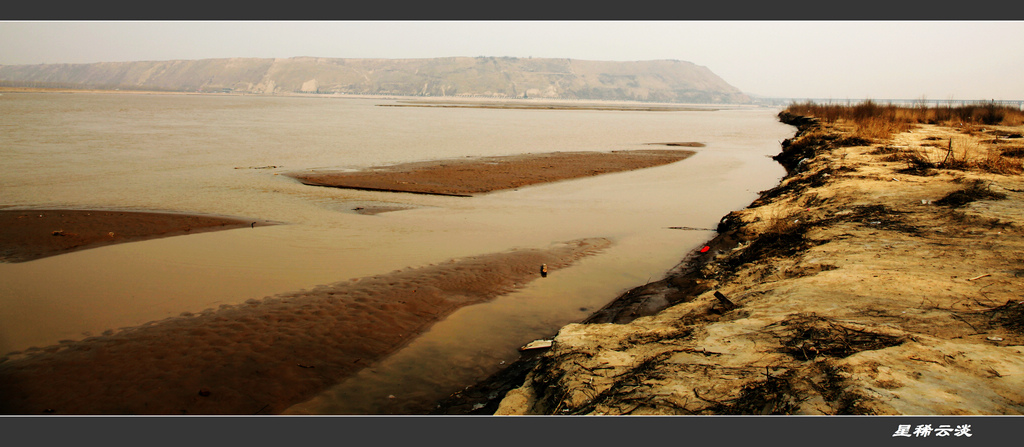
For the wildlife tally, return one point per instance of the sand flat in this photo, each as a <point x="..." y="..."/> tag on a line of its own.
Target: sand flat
<point x="479" y="175"/>
<point x="263" y="356"/>
<point x="32" y="234"/>
<point x="530" y="105"/>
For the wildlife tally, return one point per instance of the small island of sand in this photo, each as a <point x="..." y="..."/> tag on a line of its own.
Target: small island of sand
<point x="30" y="234"/>
<point x="478" y="175"/>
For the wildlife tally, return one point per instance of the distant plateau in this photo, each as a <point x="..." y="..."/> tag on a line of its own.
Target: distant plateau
<point x="670" y="81"/>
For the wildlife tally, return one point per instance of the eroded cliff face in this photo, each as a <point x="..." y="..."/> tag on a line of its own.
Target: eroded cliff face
<point x="503" y="77"/>
<point x="862" y="284"/>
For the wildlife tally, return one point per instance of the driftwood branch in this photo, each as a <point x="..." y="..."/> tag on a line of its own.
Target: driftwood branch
<point x="725" y="301"/>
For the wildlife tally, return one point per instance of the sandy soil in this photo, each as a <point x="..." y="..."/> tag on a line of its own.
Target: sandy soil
<point x="867" y="282"/>
<point x="32" y="234"/>
<point x="478" y="175"/>
<point x="263" y="356"/>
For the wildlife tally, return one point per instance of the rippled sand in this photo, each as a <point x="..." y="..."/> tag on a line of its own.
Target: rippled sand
<point x="263" y="356"/>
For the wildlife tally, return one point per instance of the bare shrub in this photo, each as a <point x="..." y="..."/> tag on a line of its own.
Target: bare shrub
<point x="958" y="156"/>
<point x="1013" y="118"/>
<point x="966" y="154"/>
<point x="920" y="161"/>
<point x="996" y="162"/>
<point x="778" y="225"/>
<point x="1013" y="152"/>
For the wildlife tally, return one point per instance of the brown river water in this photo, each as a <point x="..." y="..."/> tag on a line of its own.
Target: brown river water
<point x="226" y="155"/>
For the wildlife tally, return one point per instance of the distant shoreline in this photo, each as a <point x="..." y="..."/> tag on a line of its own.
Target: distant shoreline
<point x="552" y="106"/>
<point x="432" y="101"/>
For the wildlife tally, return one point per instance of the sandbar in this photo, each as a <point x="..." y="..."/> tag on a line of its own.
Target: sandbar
<point x="479" y="175"/>
<point x="30" y="234"/>
<point x="264" y="355"/>
<point x="529" y="105"/>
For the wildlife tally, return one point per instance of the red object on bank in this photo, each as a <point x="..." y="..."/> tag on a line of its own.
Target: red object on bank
<point x="705" y="249"/>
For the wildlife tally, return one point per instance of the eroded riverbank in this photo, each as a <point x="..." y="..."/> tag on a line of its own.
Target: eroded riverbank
<point x="865" y="283"/>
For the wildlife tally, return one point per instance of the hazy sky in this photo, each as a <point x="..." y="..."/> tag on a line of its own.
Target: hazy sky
<point x="817" y="59"/>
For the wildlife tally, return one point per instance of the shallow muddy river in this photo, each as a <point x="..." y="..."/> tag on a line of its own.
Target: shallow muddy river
<point x="226" y="155"/>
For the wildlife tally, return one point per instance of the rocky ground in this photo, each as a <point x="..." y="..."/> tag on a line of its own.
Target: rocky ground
<point x="880" y="277"/>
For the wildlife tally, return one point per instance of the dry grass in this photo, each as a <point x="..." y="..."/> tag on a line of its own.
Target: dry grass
<point x="880" y="121"/>
<point x="964" y="154"/>
<point x="777" y="224"/>
<point x="876" y="128"/>
<point x="996" y="162"/>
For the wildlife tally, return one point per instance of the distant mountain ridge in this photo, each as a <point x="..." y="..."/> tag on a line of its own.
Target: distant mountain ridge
<point x="500" y="77"/>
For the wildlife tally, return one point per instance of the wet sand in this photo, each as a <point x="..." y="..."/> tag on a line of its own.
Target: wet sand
<point x="263" y="356"/>
<point x="33" y="234"/>
<point x="478" y="175"/>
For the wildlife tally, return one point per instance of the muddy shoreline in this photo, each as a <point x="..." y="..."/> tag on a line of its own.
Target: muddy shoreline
<point x="858" y="285"/>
